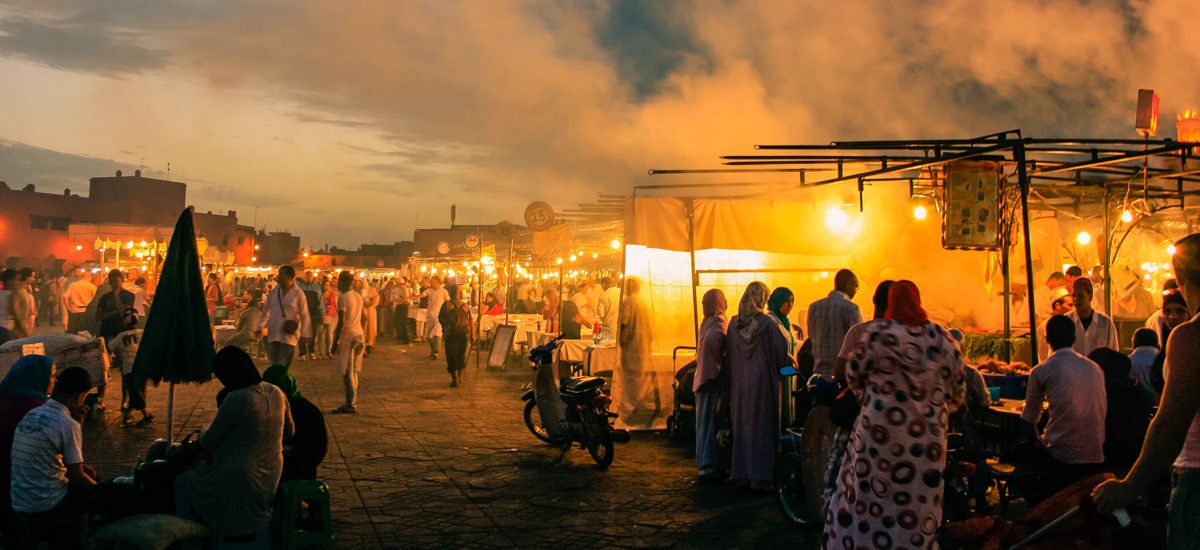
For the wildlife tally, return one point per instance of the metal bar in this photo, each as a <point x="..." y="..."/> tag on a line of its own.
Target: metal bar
<point x="914" y="165"/>
<point x="691" y="215"/>
<point x="1023" y="181"/>
<point x="1174" y="146"/>
<point x="795" y="270"/>
<point x="722" y="171"/>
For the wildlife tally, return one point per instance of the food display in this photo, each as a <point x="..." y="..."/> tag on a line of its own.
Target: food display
<point x="1002" y="368"/>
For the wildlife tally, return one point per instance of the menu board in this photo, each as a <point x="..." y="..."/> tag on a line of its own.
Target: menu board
<point x="974" y="200"/>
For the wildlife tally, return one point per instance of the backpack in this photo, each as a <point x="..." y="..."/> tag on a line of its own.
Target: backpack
<point x="459" y="319"/>
<point x="315" y="309"/>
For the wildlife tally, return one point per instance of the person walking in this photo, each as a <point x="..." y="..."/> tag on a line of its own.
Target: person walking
<point x="907" y="374"/>
<point x="459" y="330"/>
<point x="756" y="349"/>
<point x="349" y="341"/>
<point x="285" y="316"/>
<point x="434" y="296"/>
<point x="711" y="384"/>
<point x="830" y="318"/>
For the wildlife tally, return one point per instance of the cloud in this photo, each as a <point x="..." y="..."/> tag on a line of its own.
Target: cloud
<point x="71" y="47"/>
<point x="52" y="171"/>
<point x="495" y="104"/>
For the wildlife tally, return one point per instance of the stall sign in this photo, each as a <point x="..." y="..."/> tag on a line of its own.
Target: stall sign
<point x="539" y="216"/>
<point x="443" y="248"/>
<point x="471" y="241"/>
<point x="974" y="201"/>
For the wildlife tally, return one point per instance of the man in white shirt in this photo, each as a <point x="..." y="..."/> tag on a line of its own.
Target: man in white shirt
<point x="140" y="296"/>
<point x="830" y="318"/>
<point x="610" y="303"/>
<point x="76" y="297"/>
<point x="349" y="340"/>
<point x="399" y="294"/>
<point x="1060" y="304"/>
<point x="285" y="316"/>
<point x="47" y="456"/>
<point x="1093" y="329"/>
<point x="434" y="296"/>
<point x="1045" y="303"/>
<point x="1073" y="386"/>
<point x="585" y="307"/>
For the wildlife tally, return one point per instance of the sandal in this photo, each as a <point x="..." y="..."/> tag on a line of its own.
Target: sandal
<point x="345" y="410"/>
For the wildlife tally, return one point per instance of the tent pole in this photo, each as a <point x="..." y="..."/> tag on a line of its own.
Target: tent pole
<point x="691" y="212"/>
<point x="1023" y="181"/>
<point x="1108" y="235"/>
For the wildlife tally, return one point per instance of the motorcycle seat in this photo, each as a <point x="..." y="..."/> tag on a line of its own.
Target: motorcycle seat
<point x="582" y="384"/>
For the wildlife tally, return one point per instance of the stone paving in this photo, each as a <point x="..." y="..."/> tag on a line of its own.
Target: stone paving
<point x="423" y="465"/>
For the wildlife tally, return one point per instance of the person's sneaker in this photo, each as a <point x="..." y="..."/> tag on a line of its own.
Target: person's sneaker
<point x="434" y="356"/>
<point x="345" y="410"/>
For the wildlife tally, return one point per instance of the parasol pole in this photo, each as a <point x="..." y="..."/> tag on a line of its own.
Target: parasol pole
<point x="170" y="411"/>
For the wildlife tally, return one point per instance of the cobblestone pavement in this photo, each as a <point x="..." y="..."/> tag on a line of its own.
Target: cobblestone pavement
<point x="423" y="465"/>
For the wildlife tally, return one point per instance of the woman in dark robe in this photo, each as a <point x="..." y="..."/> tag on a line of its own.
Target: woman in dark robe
<point x="755" y="351"/>
<point x="232" y="489"/>
<point x="305" y="450"/>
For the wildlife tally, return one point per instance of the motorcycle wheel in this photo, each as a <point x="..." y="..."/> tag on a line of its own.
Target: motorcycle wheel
<point x="600" y="446"/>
<point x="533" y="421"/>
<point x="793" y="500"/>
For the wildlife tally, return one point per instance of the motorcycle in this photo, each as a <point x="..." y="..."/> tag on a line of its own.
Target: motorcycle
<point x="804" y="454"/>
<point x="573" y="410"/>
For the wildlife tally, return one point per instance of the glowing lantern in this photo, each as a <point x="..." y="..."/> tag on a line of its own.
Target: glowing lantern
<point x="836" y="219"/>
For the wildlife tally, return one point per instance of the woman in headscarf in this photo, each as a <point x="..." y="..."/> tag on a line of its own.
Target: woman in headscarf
<point x="231" y="491"/>
<point x="635" y="382"/>
<point x="1127" y="416"/>
<point x="710" y="387"/>
<point x="23" y="389"/>
<point x="907" y="373"/>
<point x="756" y="350"/>
<point x="779" y="306"/>
<point x="305" y="450"/>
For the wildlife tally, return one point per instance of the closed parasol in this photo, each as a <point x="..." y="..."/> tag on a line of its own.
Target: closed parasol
<point x="177" y="345"/>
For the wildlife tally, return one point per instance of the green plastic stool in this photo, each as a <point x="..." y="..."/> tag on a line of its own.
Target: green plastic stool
<point x="302" y="518"/>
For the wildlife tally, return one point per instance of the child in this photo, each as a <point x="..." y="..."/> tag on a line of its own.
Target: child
<point x="125" y="347"/>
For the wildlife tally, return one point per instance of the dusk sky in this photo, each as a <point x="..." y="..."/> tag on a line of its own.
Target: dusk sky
<point x="344" y="121"/>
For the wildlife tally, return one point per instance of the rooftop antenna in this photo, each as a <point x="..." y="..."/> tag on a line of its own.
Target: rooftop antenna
<point x="168" y="171"/>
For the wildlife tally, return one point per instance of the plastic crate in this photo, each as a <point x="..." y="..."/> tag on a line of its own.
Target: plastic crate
<point x="1012" y="386"/>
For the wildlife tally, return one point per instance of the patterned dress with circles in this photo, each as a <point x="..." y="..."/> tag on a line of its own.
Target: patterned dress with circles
<point x="889" y="490"/>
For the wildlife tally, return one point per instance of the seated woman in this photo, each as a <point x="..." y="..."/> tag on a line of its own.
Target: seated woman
<point x="23" y="389"/>
<point x="305" y="450"/>
<point x="491" y="307"/>
<point x="231" y="489"/>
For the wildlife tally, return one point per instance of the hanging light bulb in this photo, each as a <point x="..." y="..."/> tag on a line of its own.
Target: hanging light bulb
<point x="920" y="212"/>
<point x="1126" y="216"/>
<point x="1171" y="249"/>
<point x="1084" y="237"/>
<point x="616" y="244"/>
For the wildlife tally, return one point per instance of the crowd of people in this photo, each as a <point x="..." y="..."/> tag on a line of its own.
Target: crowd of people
<point x="886" y="471"/>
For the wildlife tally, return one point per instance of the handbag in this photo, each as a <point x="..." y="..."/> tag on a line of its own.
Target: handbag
<point x="290" y="326"/>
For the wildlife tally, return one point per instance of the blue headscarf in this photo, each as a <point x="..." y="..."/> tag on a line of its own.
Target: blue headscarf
<point x="776" y="301"/>
<point x="28" y="377"/>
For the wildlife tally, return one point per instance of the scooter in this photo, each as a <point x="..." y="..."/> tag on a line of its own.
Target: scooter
<point x="804" y="453"/>
<point x="573" y="410"/>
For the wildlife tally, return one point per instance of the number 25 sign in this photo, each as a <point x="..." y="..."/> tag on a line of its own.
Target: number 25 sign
<point x="539" y="216"/>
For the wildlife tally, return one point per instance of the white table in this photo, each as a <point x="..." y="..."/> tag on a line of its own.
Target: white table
<point x="601" y="359"/>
